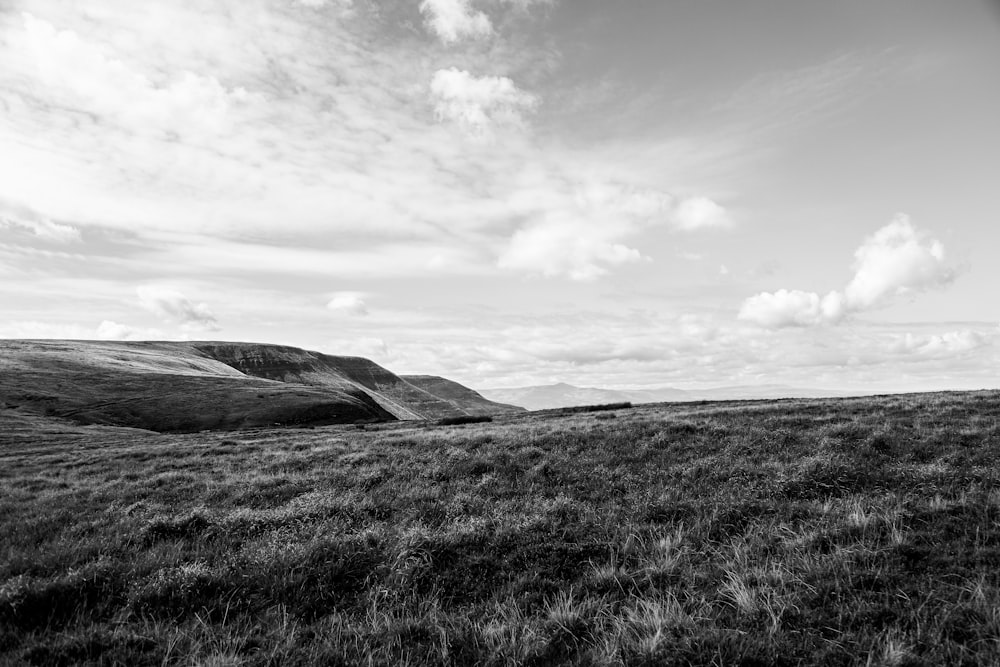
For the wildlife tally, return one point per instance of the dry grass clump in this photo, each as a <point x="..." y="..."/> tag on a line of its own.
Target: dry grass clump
<point x="857" y="531"/>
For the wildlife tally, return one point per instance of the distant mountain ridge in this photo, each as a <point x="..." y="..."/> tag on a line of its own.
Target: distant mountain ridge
<point x="185" y="386"/>
<point x="562" y="395"/>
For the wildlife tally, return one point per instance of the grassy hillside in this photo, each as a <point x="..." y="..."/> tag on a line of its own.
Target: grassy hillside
<point x="162" y="387"/>
<point x="304" y="367"/>
<point x="193" y="386"/>
<point x="826" y="532"/>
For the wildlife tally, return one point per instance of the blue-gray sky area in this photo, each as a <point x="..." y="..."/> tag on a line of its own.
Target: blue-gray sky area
<point x="638" y="193"/>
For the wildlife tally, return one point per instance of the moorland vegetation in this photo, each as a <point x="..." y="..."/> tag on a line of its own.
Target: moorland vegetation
<point x="798" y="532"/>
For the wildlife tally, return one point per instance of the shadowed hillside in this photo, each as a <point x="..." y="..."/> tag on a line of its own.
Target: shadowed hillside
<point x="184" y="386"/>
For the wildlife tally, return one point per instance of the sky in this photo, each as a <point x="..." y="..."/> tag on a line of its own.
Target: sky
<point x="630" y="194"/>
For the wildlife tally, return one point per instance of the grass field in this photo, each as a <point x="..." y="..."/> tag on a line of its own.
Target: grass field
<point x="821" y="532"/>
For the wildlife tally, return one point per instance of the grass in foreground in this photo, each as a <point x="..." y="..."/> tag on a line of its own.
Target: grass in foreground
<point x="860" y="531"/>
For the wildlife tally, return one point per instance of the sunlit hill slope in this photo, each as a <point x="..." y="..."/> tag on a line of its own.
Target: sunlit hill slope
<point x="190" y="386"/>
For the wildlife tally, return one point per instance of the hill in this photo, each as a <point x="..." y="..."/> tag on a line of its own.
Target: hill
<point x="862" y="531"/>
<point x="190" y="386"/>
<point x="459" y="396"/>
<point x="562" y="395"/>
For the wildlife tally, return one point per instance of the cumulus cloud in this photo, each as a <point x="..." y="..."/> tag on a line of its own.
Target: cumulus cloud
<point x="451" y="20"/>
<point x="791" y="308"/>
<point x="897" y="260"/>
<point x="585" y="236"/>
<point x="43" y="229"/>
<point x="348" y="303"/>
<point x="478" y="102"/>
<point x="560" y="245"/>
<point x="173" y="306"/>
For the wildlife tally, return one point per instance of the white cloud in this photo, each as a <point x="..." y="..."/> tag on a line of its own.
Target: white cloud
<point x="939" y="345"/>
<point x="699" y="213"/>
<point x="79" y="75"/>
<point x="34" y="329"/>
<point x="478" y="103"/>
<point x="336" y="167"/>
<point x="106" y="330"/>
<point x="560" y="245"/>
<point x="897" y="260"/>
<point x="348" y="303"/>
<point x="111" y="330"/>
<point x="789" y="308"/>
<point x="583" y="236"/>
<point x="44" y="229"/>
<point x="452" y="20"/>
<point x="173" y="306"/>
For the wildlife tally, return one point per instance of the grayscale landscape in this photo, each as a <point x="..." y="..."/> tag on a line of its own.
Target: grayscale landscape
<point x="499" y="333"/>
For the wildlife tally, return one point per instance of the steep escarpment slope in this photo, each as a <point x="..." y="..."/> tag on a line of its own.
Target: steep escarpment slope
<point x="460" y="396"/>
<point x="291" y="364"/>
<point x="162" y="387"/>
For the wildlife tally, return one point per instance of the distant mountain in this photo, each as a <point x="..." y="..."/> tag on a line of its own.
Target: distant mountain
<point x="187" y="386"/>
<point x="561" y="395"/>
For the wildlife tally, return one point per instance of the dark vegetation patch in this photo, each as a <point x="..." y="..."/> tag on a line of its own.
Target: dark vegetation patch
<point x="827" y="532"/>
<point x="464" y="419"/>
<point x="603" y="407"/>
